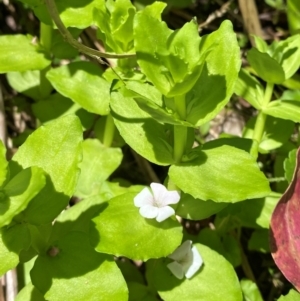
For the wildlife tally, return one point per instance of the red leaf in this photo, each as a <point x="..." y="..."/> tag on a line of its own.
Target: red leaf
<point x="285" y="230"/>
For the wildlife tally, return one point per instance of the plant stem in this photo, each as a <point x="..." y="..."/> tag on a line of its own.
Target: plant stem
<point x="261" y="121"/>
<point x="180" y="131"/>
<point x="109" y="131"/>
<point x="52" y="9"/>
<point x="46" y="36"/>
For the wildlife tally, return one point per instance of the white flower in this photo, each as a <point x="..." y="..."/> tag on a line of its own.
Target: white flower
<point x="187" y="261"/>
<point x="156" y="205"/>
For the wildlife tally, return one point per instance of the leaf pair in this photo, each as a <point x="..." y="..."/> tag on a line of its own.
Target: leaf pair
<point x="278" y="62"/>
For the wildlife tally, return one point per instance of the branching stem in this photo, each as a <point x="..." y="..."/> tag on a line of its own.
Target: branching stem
<point x="259" y="127"/>
<point x="52" y="9"/>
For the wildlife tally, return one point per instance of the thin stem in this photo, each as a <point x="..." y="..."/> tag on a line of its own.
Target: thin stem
<point x="46" y="36"/>
<point x="259" y="127"/>
<point x="180" y="105"/>
<point x="109" y="131"/>
<point x="180" y="132"/>
<point x="52" y="9"/>
<point x="246" y="266"/>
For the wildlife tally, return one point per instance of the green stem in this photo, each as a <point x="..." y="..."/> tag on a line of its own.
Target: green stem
<point x="46" y="36"/>
<point x="259" y="127"/>
<point x="52" y="9"/>
<point x="109" y="131"/>
<point x="180" y="131"/>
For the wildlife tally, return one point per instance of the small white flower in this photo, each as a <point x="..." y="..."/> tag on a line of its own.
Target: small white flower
<point x="187" y="261"/>
<point x="156" y="205"/>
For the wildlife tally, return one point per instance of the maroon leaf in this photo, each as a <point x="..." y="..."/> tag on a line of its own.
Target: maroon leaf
<point x="285" y="230"/>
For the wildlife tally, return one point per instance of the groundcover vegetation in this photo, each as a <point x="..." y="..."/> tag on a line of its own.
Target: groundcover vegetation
<point x="112" y="184"/>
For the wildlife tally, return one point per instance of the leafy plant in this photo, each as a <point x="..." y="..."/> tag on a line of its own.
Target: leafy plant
<point x="164" y="86"/>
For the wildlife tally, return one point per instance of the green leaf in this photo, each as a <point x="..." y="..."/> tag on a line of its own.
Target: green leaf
<point x="13" y="239"/>
<point x="259" y="241"/>
<point x="150" y="100"/>
<point x="248" y="87"/>
<point x="3" y="163"/>
<point x="260" y="44"/>
<point x="142" y="238"/>
<point x="250" y="290"/>
<point x="45" y="207"/>
<point x="19" y="53"/>
<point x="115" y="22"/>
<point x="56" y="106"/>
<point x="53" y="276"/>
<point x="219" y="74"/>
<point x="223" y="174"/>
<point x="145" y="135"/>
<point x="293" y="15"/>
<point x="56" y="148"/>
<point x="291" y="95"/>
<point x="215" y="281"/>
<point x="237" y="142"/>
<point x="276" y="133"/>
<point x="112" y="189"/>
<point x="265" y="66"/>
<point x="170" y="59"/>
<point x="289" y="165"/>
<point x="195" y="209"/>
<point x="78" y="217"/>
<point x="19" y="191"/>
<point x="98" y="163"/>
<point x="285" y="109"/>
<point x="255" y="213"/>
<point x="287" y="54"/>
<point x="291" y="296"/>
<point x="73" y="13"/>
<point x="83" y="83"/>
<point x="150" y="36"/>
<point x="29" y="293"/>
<point x="30" y="83"/>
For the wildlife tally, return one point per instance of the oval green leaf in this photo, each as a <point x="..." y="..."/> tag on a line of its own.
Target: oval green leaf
<point x="71" y="262"/>
<point x="98" y="163"/>
<point x="19" y="191"/>
<point x="145" y="135"/>
<point x="265" y="66"/>
<point x="219" y="74"/>
<point x="195" y="209"/>
<point x="215" y="281"/>
<point x="222" y="174"/>
<point x="122" y="231"/>
<point x="56" y="148"/>
<point x="83" y="83"/>
<point x="19" y="53"/>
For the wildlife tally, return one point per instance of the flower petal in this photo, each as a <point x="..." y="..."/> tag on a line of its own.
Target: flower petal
<point x="176" y="269"/>
<point x="182" y="251"/>
<point x="143" y="198"/>
<point x="149" y="211"/>
<point x="159" y="192"/>
<point x="197" y="263"/>
<point x="171" y="197"/>
<point x="164" y="213"/>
